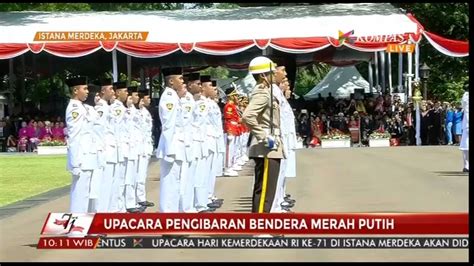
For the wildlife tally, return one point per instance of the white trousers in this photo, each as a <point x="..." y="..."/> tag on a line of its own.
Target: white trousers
<point x="117" y="200"/>
<point x="280" y="189"/>
<point x="465" y="157"/>
<point x="131" y="173"/>
<point x="230" y="151"/>
<point x="141" y="180"/>
<point x="186" y="187"/>
<point x="169" y="185"/>
<point x="202" y="187"/>
<point x="103" y="204"/>
<point x="95" y="189"/>
<point x="80" y="187"/>
<point x="213" y="174"/>
<point x="220" y="163"/>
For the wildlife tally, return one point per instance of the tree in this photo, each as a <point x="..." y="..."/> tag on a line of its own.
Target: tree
<point x="450" y="20"/>
<point x="308" y="76"/>
<point x="216" y="72"/>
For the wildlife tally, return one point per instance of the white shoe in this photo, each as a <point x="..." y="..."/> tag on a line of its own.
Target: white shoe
<point x="230" y="172"/>
<point x="236" y="167"/>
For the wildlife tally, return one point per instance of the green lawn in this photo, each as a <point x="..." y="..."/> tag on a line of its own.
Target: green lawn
<point x="23" y="176"/>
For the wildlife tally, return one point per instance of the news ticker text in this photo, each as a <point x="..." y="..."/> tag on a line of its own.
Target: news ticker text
<point x="253" y="242"/>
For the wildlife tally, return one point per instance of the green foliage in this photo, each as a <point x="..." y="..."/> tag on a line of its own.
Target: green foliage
<point x="307" y="77"/>
<point x="450" y="20"/>
<point x="225" y="6"/>
<point x="216" y="72"/>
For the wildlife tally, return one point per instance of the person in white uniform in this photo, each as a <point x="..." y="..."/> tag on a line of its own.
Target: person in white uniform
<point x="117" y="109"/>
<point x="147" y="148"/>
<point x="133" y="143"/>
<point x="171" y="147"/>
<point x="110" y="144"/>
<point x="209" y="92"/>
<point x="76" y="120"/>
<point x="95" y="148"/>
<point x="464" y="145"/>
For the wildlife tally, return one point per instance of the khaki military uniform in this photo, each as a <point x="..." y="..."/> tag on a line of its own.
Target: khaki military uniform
<point x="267" y="161"/>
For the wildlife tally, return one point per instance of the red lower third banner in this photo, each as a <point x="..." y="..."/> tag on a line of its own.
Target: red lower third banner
<point x="254" y="224"/>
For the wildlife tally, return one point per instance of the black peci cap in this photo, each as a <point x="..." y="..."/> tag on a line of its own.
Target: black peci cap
<point x="143" y="93"/>
<point x="172" y="71"/>
<point x="76" y="81"/>
<point x="192" y="76"/>
<point x="120" y="85"/>
<point x="205" y="78"/>
<point x="106" y="82"/>
<point x="132" y="89"/>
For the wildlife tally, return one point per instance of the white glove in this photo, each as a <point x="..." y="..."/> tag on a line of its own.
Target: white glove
<point x="230" y="137"/>
<point x="76" y="171"/>
<point x="270" y="143"/>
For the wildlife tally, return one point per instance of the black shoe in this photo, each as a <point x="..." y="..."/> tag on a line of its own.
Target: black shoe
<point x="133" y="210"/>
<point x="290" y="205"/>
<point x="286" y="209"/>
<point x="219" y="201"/>
<point x="142" y="208"/>
<point x="287" y="196"/>
<point x="291" y="201"/>
<point x="214" y="205"/>
<point x="147" y="203"/>
<point x="465" y="170"/>
<point x="208" y="210"/>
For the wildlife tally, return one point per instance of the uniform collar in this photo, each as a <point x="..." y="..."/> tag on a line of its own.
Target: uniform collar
<point x="75" y="101"/>
<point x="102" y="101"/>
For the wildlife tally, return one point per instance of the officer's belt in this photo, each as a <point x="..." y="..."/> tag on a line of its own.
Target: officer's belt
<point x="234" y="123"/>
<point x="276" y="131"/>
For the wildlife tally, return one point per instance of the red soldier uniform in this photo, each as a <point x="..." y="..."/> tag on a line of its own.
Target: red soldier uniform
<point x="231" y="119"/>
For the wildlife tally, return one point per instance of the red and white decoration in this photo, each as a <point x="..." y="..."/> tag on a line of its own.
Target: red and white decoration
<point x="221" y="32"/>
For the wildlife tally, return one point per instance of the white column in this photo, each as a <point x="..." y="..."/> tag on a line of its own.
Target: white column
<point x="382" y="72"/>
<point x="410" y="73"/>
<point x="114" y="65"/>
<point x="129" y="69"/>
<point x="417" y="62"/>
<point x="400" y="72"/>
<point x="371" y="77"/>
<point x="389" y="61"/>
<point x="376" y="65"/>
<point x="418" y="126"/>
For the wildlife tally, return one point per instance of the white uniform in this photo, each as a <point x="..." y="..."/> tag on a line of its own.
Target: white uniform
<point x="109" y="155"/>
<point x="95" y="153"/>
<point x="215" y="119"/>
<point x="76" y="122"/>
<point x="170" y="151"/>
<point x="117" y="202"/>
<point x="206" y="149"/>
<point x="188" y="180"/>
<point x="132" y="117"/>
<point x="278" y="199"/>
<point x="145" y="153"/>
<point x="464" y="145"/>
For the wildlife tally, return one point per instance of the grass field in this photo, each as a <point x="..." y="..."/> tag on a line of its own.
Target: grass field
<point x="23" y="176"/>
